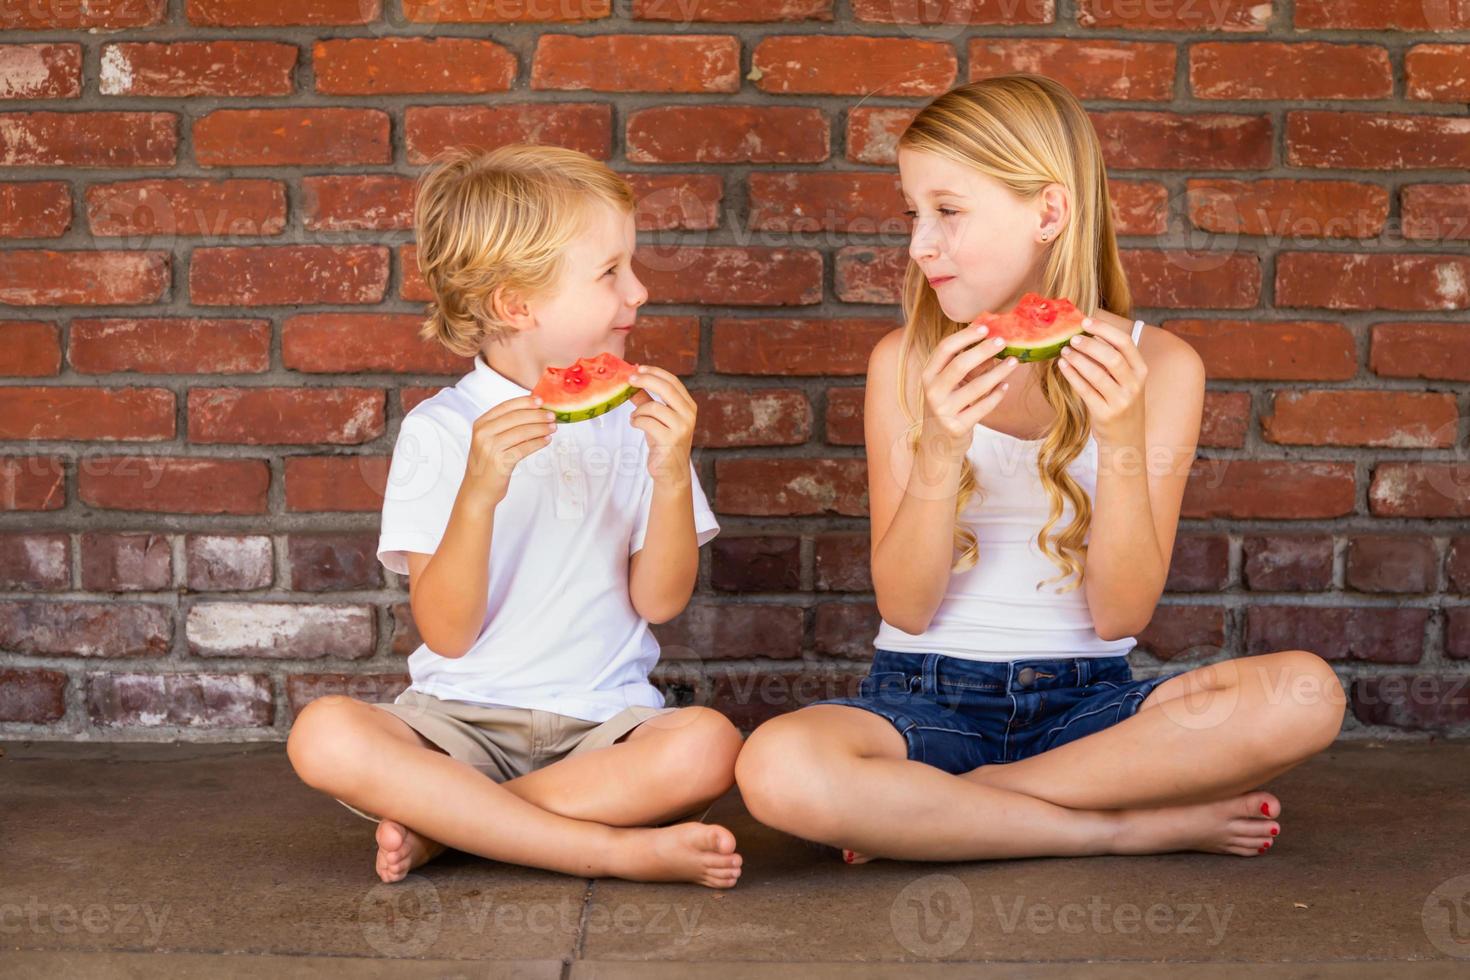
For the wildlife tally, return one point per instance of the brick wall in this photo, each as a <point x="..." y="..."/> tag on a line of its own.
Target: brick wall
<point x="208" y="299"/>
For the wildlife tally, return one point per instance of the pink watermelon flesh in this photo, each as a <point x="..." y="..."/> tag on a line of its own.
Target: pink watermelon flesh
<point x="591" y="387"/>
<point x="1037" y="329"/>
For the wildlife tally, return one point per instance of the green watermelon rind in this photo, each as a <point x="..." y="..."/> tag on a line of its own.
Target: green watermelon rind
<point x="1042" y="353"/>
<point x="594" y="410"/>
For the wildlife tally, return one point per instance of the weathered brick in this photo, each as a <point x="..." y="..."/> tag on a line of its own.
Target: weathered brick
<point x="1175" y="278"/>
<point x="1457" y="564"/>
<point x="228" y="562"/>
<point x="32" y="696"/>
<point x="330" y="562"/>
<point x="429" y="129"/>
<point x="791" y="347"/>
<point x="1140" y="207"/>
<point x="411" y="65"/>
<point x="1393" y="15"/>
<point x="186" y="69"/>
<point x="733" y="276"/>
<point x="357" y="202"/>
<point x="97" y="14"/>
<point x="143" y="209"/>
<point x="1199" y="563"/>
<point x="1270" y="350"/>
<point x="483" y="12"/>
<point x="1175" y="15"/>
<point x="73" y="412"/>
<point x="751" y="563"/>
<point x="174" y="485"/>
<point x="1376" y="140"/>
<point x="286" y="416"/>
<point x="364" y="343"/>
<point x="1179" y="631"/>
<point x="637" y="63"/>
<point x="1391" y="563"/>
<point x="705" y="631"/>
<point x="40" y="71"/>
<point x="869" y="274"/>
<point x="842" y="562"/>
<point x="1225" y="418"/>
<point x="727" y="134"/>
<point x="752" y="417"/>
<point x="732" y="11"/>
<point x="860" y="203"/>
<point x="123" y="562"/>
<point x="815" y="64"/>
<point x="335" y="483"/>
<point x="845" y="629"/>
<point x="873" y="132"/>
<point x="85" y="629"/>
<point x="845" y="416"/>
<point x="1377" y="634"/>
<point x="1372" y="281"/>
<point x="1340" y="417"/>
<point x="281" y="630"/>
<point x="34" y="209"/>
<point x="669" y="342"/>
<point x="292" y="137"/>
<point x="1420" y="350"/>
<point x="952" y="14"/>
<point x="29" y="349"/>
<point x="1438" y="72"/>
<point x="668" y="201"/>
<point x="1146" y="140"/>
<point x="115" y="140"/>
<point x="1457" y="633"/>
<point x="1287" y="563"/>
<point x="1288" y="209"/>
<point x="790" y="486"/>
<point x="1090" y="68"/>
<point x="31" y="483"/>
<point x="201" y="701"/>
<point x="282" y="275"/>
<point x="1415" y="702"/>
<point x="406" y="638"/>
<point x="1269" y="489"/>
<point x="1420" y="490"/>
<point x="1435" y="212"/>
<point x="99" y="277"/>
<point x="166" y="345"/>
<point x="34" y="561"/>
<point x="1301" y="71"/>
<point x="302" y="689"/>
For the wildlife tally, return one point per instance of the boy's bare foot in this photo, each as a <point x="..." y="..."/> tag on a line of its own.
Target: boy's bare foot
<point x="400" y="850"/>
<point x="1236" y="825"/>
<point x="703" y="853"/>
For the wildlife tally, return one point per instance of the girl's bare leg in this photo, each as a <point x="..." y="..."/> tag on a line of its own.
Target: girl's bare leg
<point x="343" y="747"/>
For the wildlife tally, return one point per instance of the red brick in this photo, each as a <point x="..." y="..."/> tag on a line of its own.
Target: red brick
<point x="1420" y="490"/>
<point x="85" y="629"/>
<point x="1269" y="489"/>
<point x="789" y="487"/>
<point x="732" y="276"/>
<point x="788" y="347"/>
<point x="727" y="134"/>
<point x="1420" y="350"/>
<point x="411" y="65"/>
<point x="280" y="630"/>
<point x="1289" y="71"/>
<point x="1289" y="209"/>
<point x="126" y="562"/>
<point x="406" y="638"/>
<point x="34" y="209"/>
<point x="1391" y="563"/>
<point x="706" y="631"/>
<point x="1397" y="15"/>
<point x="430" y="129"/>
<point x="29" y="349"/>
<point x="753" y="563"/>
<point x="1175" y="15"/>
<point x="354" y="202"/>
<point x="1287" y="563"/>
<point x="160" y="345"/>
<point x="842" y="562"/>
<point x="335" y="483"/>
<point x="194" y="700"/>
<point x="72" y="412"/>
<point x="870" y="274"/>
<point x="1413" y="702"/>
<point x="31" y="483"/>
<point x="292" y="137"/>
<point x="174" y="485"/>
<point x="185" y="69"/>
<point x="845" y="629"/>
<point x="1225" y="418"/>
<point x="115" y="140"/>
<point x="815" y="64"/>
<point x="1435" y="211"/>
<point x="286" y="416"/>
<point x="669" y="342"/>
<point x="1199" y="563"/>
<point x="1270" y="350"/>
<point x="365" y="343"/>
<point x="1356" y="281"/>
<point x="228" y="562"/>
<point x="1376" y="634"/>
<point x="873" y="132"/>
<point x="845" y="416"/>
<point x="1140" y="207"/>
<point x="862" y="203"/>
<point x="637" y="63"/>
<point x="1090" y="68"/>
<point x="1182" y="631"/>
<point x="105" y="14"/>
<point x="752" y="417"/>
<point x="35" y="562"/>
<point x="515" y="12"/>
<point x="1180" y="279"/>
<point x="410" y="397"/>
<point x="95" y="277"/>
<point x="1376" y="140"/>
<point x="302" y="689"/>
<point x="1340" y="417"/>
<point x="732" y="11"/>
<point x="32" y="697"/>
<point x="280" y="13"/>
<point x="333" y="562"/>
<point x="955" y="12"/>
<point x="213" y="208"/>
<point x="1142" y="140"/>
<point x="668" y="201"/>
<point x="1438" y="72"/>
<point x="288" y="275"/>
<point x="40" y="71"/>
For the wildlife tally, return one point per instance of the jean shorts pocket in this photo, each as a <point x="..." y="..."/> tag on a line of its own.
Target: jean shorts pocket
<point x="884" y="682"/>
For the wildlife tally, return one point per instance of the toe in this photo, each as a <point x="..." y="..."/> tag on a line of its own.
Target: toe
<point x="1263" y="805"/>
<point x="720" y="839"/>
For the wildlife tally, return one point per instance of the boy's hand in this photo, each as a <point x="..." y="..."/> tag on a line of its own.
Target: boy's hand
<point x="501" y="438"/>
<point x="668" y="427"/>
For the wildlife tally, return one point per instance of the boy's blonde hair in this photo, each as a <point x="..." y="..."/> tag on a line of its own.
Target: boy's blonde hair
<point x="500" y="220"/>
<point x="1026" y="131"/>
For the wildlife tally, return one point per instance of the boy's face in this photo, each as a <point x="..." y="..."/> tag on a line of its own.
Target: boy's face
<point x="592" y="305"/>
<point x="972" y="237"/>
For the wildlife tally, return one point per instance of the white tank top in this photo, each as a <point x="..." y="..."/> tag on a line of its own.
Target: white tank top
<point x="994" y="612"/>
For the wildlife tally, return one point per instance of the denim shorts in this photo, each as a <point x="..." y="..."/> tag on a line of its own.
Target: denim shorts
<point x="960" y="714"/>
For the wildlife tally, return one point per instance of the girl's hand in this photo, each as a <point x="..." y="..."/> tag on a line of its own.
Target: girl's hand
<point x="955" y="399"/>
<point x="668" y="426"/>
<point x="1107" y="372"/>
<point x="500" y="439"/>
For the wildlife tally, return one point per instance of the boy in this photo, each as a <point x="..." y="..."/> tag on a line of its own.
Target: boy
<point x="536" y="555"/>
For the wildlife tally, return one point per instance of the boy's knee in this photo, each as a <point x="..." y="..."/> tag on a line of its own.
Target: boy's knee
<point x="701" y="752"/>
<point x="320" y="743"/>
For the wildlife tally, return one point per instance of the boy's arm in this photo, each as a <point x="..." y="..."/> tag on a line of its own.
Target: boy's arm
<point x="448" y="590"/>
<point x="661" y="574"/>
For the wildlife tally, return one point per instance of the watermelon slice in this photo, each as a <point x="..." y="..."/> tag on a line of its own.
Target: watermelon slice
<point x="591" y="387"/>
<point x="1037" y="329"/>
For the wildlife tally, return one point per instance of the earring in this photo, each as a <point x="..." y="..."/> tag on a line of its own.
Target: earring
<point x="1044" y="237"/>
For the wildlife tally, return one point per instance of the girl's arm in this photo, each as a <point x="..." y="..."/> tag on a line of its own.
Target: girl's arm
<point x="1146" y="419"/>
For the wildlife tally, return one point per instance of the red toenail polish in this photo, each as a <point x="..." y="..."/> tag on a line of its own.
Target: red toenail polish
<point x="1266" y="809"/>
<point x="1262" y="850"/>
<point x="847" y="855"/>
<point x="1275" y="831"/>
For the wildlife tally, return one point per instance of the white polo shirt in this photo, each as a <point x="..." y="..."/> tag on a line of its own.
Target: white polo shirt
<point x="560" y="630"/>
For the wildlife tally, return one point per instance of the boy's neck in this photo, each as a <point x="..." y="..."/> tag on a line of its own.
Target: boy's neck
<point x="519" y="365"/>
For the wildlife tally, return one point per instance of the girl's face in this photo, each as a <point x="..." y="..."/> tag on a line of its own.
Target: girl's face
<point x="592" y="306"/>
<point x="978" y="243"/>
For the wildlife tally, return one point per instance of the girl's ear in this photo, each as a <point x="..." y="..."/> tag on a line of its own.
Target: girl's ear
<point x="1055" y="211"/>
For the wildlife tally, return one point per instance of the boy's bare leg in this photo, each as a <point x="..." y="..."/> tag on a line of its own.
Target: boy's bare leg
<point x="340" y="746"/>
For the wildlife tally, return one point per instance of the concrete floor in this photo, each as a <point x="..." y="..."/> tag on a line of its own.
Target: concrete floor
<point x="196" y="860"/>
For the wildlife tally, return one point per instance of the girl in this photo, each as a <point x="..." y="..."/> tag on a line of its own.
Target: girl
<point x="999" y="718"/>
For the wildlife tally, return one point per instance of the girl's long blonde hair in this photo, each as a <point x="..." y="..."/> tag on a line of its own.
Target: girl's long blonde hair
<point x="1025" y="131"/>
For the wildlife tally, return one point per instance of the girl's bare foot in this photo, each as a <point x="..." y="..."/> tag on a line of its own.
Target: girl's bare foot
<point x="1237" y="825"/>
<point x="400" y="850"/>
<point x="703" y="853"/>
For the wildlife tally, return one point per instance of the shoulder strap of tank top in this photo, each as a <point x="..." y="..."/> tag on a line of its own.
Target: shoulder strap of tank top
<point x="1137" y="329"/>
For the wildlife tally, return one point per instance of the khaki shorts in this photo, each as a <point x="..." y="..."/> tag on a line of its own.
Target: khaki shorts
<point x="504" y="742"/>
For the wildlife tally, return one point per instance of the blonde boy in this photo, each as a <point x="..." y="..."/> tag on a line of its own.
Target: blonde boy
<point x="537" y="555"/>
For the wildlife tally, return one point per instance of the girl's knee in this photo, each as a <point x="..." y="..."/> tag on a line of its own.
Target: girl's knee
<point x="1305" y="704"/>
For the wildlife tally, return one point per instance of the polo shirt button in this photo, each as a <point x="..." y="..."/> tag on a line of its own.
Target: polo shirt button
<point x="1026" y="676"/>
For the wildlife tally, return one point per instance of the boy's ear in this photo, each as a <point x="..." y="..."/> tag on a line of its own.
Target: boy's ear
<point x="511" y="308"/>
